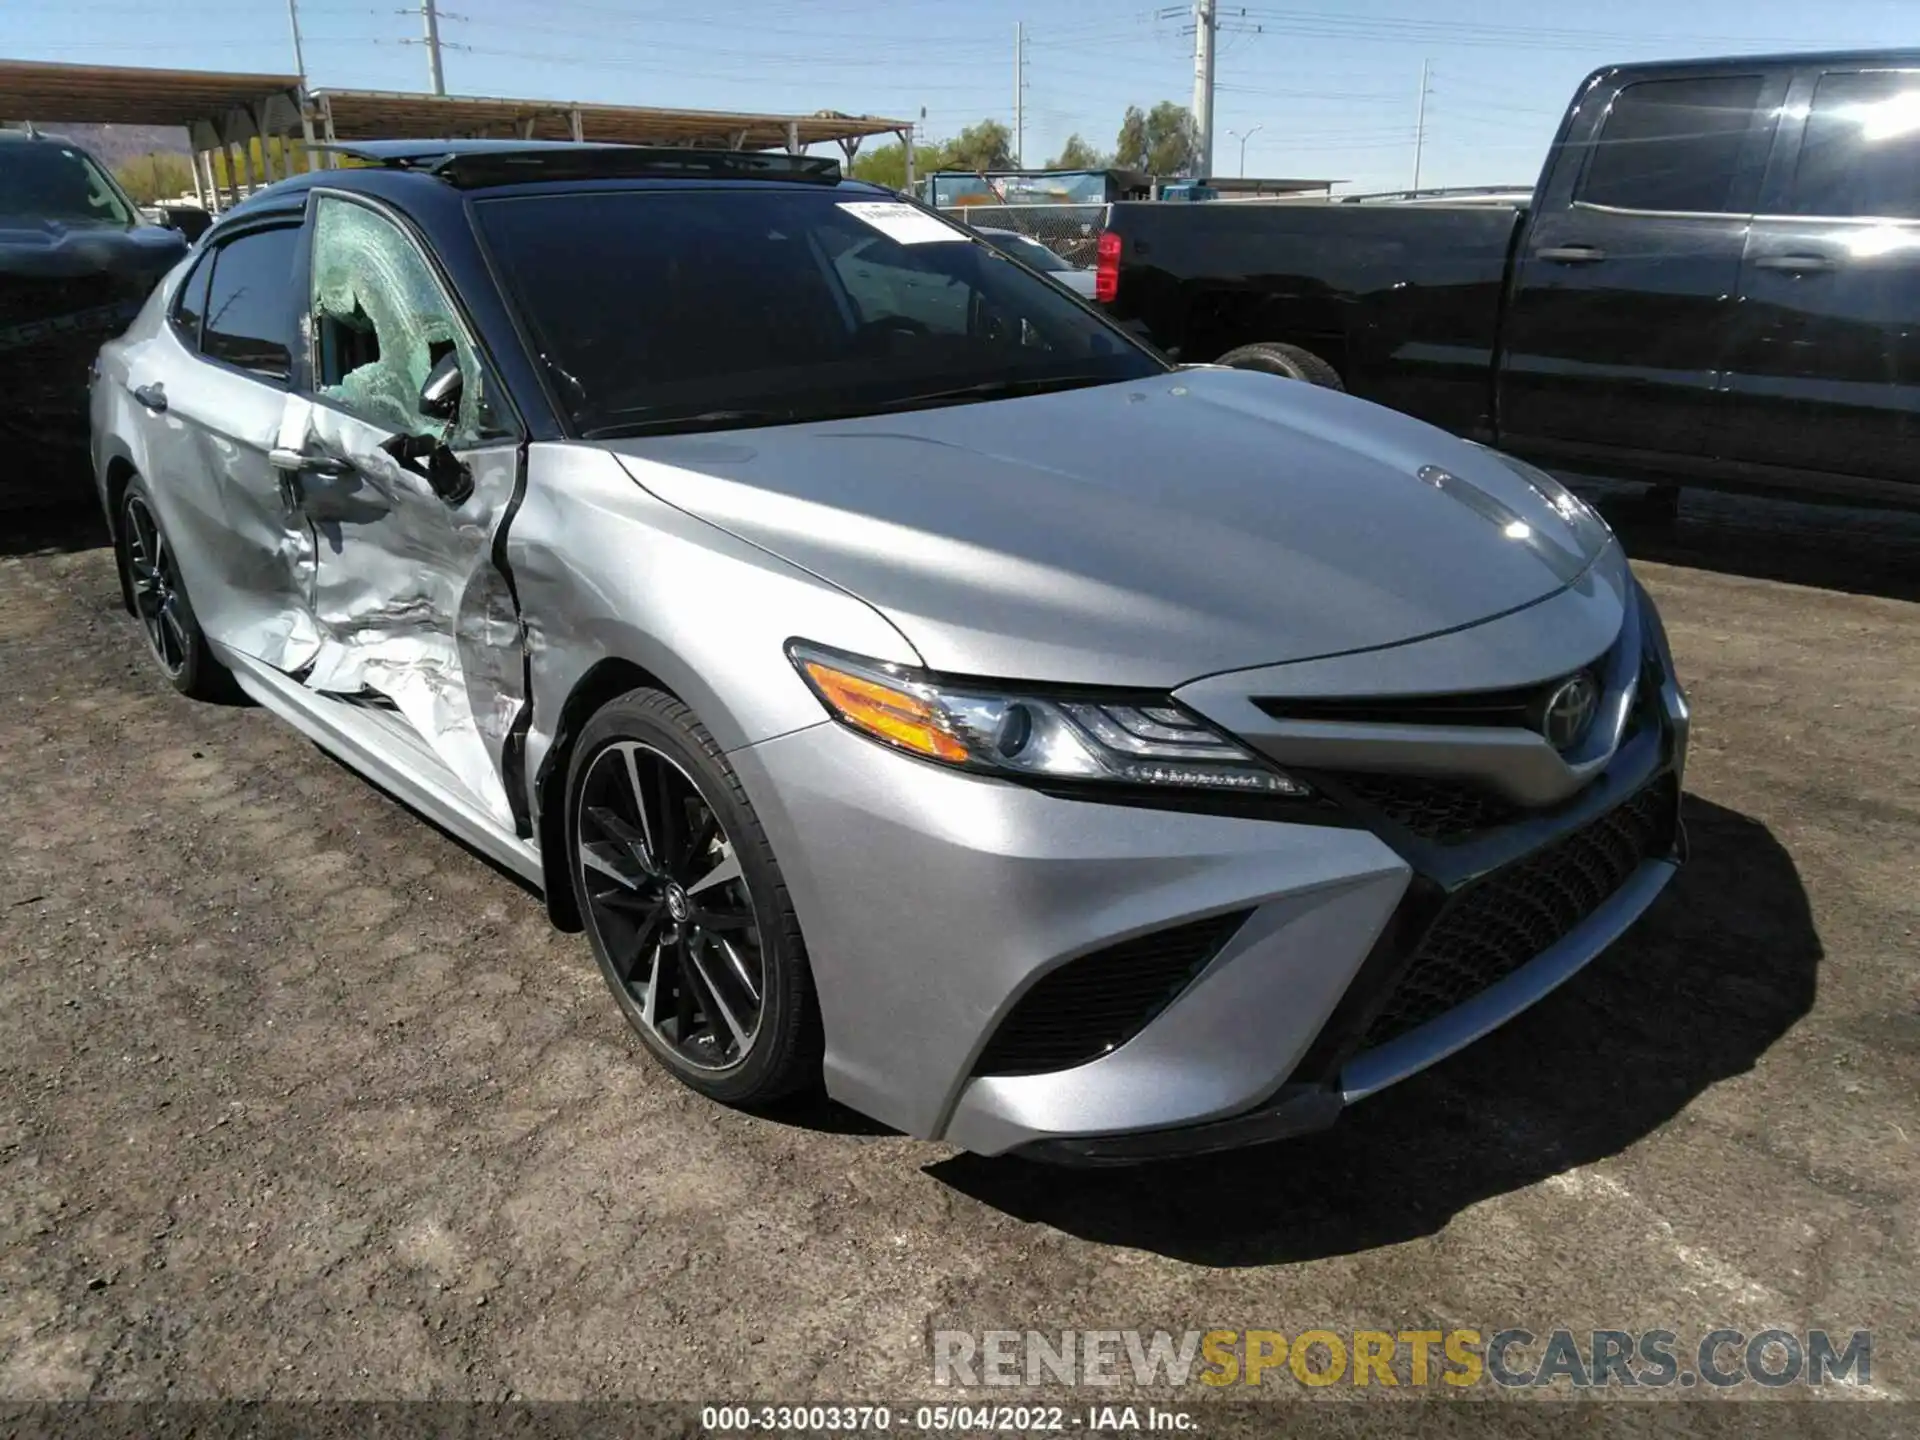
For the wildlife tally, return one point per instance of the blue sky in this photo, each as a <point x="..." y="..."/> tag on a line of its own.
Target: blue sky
<point x="1334" y="87"/>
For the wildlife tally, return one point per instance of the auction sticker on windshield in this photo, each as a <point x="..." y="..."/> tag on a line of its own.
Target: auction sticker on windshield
<point x="902" y="222"/>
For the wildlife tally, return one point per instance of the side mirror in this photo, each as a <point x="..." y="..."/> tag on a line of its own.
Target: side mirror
<point x="440" y="391"/>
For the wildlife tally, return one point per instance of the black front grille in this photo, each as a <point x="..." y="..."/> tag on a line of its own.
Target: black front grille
<point x="1482" y="707"/>
<point x="1498" y="924"/>
<point x="1521" y="708"/>
<point x="50" y="330"/>
<point x="1098" y="1002"/>
<point x="30" y="299"/>
<point x="1448" y="811"/>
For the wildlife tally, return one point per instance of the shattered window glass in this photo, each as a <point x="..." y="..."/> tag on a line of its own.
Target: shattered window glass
<point x="381" y="322"/>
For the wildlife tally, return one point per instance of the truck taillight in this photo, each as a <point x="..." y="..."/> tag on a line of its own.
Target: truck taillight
<point x="1106" y="274"/>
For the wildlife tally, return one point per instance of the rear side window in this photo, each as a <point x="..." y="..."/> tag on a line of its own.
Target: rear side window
<point x="190" y="304"/>
<point x="250" y="303"/>
<point x="1861" y="152"/>
<point x="1672" y="145"/>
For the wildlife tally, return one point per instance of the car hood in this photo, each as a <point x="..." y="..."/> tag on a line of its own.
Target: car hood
<point x="1078" y="281"/>
<point x="1137" y="534"/>
<point x="53" y="249"/>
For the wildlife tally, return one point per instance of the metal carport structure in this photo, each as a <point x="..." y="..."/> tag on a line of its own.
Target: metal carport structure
<point x="222" y="111"/>
<point x="217" y="109"/>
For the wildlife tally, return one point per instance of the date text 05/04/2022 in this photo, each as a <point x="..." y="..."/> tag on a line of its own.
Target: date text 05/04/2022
<point x="939" y="1419"/>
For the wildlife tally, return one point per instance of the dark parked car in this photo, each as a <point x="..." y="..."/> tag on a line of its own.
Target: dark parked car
<point x="76" y="263"/>
<point x="1717" y="281"/>
<point x="1030" y="251"/>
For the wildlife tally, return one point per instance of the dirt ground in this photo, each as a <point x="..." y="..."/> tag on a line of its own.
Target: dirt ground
<point x="300" y="1099"/>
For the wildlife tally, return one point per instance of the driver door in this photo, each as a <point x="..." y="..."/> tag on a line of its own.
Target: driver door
<point x="413" y="615"/>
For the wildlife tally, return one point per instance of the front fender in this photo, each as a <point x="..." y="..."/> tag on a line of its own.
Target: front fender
<point x="605" y="571"/>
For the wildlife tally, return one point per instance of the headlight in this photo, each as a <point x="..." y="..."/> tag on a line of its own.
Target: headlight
<point x="1026" y="735"/>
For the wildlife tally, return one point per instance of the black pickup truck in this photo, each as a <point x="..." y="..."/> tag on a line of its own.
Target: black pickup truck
<point x="1716" y="281"/>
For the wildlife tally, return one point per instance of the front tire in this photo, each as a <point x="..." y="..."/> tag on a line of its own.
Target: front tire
<point x="151" y="573"/>
<point x="1289" y="362"/>
<point x="685" y="907"/>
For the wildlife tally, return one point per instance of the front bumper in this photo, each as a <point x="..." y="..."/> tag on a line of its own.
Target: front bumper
<point x="931" y="900"/>
<point x="935" y="903"/>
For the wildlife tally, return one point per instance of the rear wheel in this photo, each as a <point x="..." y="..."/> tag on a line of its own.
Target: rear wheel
<point x="152" y="573"/>
<point x="685" y="907"/>
<point x="1290" y="362"/>
<point x="1661" y="504"/>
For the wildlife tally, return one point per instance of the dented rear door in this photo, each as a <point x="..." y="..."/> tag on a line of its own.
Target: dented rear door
<point x="414" y="613"/>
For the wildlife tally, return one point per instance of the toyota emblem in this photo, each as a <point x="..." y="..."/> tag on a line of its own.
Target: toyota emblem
<point x="1570" y="711"/>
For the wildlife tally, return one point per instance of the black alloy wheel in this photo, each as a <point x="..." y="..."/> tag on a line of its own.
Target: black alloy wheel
<point x="684" y="904"/>
<point x="152" y="572"/>
<point x="157" y="597"/>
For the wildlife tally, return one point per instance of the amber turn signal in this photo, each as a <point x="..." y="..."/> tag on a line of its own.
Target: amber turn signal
<point x="896" y="716"/>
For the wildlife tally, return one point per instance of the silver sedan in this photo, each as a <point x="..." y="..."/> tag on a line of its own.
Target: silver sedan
<point x="909" y="683"/>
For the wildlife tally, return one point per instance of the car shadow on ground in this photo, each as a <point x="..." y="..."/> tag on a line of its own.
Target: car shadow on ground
<point x="1830" y="547"/>
<point x="52" y="530"/>
<point x="1697" y="992"/>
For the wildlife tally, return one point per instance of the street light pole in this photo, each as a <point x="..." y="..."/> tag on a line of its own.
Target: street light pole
<point x="1243" y="137"/>
<point x="1420" y="125"/>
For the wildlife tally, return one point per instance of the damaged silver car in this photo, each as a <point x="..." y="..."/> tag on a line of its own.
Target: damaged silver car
<point x="906" y="679"/>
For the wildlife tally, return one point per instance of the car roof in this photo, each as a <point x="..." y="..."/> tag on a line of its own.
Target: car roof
<point x="1808" y="58"/>
<point x="428" y="179"/>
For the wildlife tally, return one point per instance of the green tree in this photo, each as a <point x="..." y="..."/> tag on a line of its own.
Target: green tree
<point x="159" y="176"/>
<point x="1173" y="140"/>
<point x="1161" y="141"/>
<point x="1130" y="148"/>
<point x="1077" y="154"/>
<point x="985" y="146"/>
<point x="887" y="164"/>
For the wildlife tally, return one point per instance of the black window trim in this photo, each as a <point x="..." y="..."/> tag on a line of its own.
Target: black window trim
<point x="215" y="245"/>
<point x="202" y="261"/>
<point x="1784" y="191"/>
<point x="1591" y="144"/>
<point x="513" y="423"/>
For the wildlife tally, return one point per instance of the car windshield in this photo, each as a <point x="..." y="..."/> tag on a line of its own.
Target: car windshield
<point x="1032" y="252"/>
<point x="45" y="180"/>
<point x="711" y="308"/>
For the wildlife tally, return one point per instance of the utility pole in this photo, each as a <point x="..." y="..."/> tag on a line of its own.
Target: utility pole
<point x="1019" y="94"/>
<point x="299" y="60"/>
<point x="1420" y="125"/>
<point x="1205" y="25"/>
<point x="432" y="19"/>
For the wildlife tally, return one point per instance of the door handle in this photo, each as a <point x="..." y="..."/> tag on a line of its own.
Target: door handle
<point x="154" y="397"/>
<point x="299" y="460"/>
<point x="1570" y="254"/>
<point x="1795" y="264"/>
